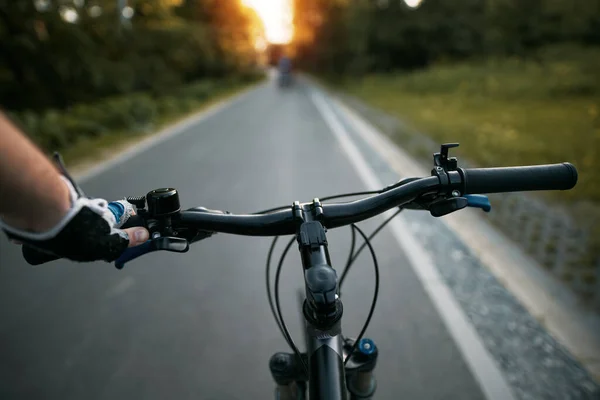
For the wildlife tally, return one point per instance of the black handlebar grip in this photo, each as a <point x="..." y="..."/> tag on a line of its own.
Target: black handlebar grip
<point x="33" y="256"/>
<point x="517" y="179"/>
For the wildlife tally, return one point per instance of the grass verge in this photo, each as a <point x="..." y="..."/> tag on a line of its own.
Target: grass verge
<point x="88" y="151"/>
<point x="505" y="112"/>
<point x="87" y="133"/>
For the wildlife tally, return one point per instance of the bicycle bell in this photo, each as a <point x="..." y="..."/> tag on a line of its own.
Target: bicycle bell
<point x="163" y="202"/>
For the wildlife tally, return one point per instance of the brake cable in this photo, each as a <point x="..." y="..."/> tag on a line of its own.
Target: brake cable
<point x="375" y="293"/>
<point x="279" y="315"/>
<point x="348" y="262"/>
<point x="268" y="281"/>
<point x="276" y="307"/>
<point x="352" y="257"/>
<point x="284" y="329"/>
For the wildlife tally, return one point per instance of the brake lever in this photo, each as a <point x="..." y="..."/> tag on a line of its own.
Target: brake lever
<point x="447" y="206"/>
<point x="478" y="201"/>
<point x="167" y="243"/>
<point x="450" y="205"/>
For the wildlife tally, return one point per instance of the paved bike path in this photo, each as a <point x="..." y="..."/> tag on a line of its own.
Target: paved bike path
<point x="197" y="325"/>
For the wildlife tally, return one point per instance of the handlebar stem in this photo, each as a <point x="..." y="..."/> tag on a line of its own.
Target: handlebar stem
<point x="322" y="308"/>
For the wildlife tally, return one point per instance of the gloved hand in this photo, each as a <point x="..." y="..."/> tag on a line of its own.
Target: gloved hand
<point x="88" y="232"/>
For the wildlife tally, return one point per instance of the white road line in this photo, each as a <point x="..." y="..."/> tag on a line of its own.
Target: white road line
<point x="162" y="136"/>
<point x="480" y="362"/>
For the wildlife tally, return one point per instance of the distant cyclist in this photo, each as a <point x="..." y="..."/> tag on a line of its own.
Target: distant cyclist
<point x="285" y="71"/>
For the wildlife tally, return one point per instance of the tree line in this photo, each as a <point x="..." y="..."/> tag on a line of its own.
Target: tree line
<point x="339" y="37"/>
<point x="59" y="53"/>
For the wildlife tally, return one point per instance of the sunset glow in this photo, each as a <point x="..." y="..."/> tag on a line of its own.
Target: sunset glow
<point x="413" y="3"/>
<point x="277" y="18"/>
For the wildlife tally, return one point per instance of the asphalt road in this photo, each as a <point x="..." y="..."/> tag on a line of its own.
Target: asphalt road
<point x="197" y="325"/>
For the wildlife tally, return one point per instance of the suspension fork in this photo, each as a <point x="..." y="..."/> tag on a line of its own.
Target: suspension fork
<point x="288" y="373"/>
<point x="361" y="381"/>
<point x="291" y="378"/>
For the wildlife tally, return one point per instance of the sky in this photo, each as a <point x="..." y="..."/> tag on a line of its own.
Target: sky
<point x="277" y="18"/>
<point x="412" y="3"/>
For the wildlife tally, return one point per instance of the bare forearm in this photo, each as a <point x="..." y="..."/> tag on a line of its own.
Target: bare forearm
<point x="32" y="195"/>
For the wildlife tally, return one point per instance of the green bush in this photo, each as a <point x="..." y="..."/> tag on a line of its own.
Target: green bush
<point x="83" y="120"/>
<point x="74" y="127"/>
<point x="56" y="130"/>
<point x="50" y="133"/>
<point x="252" y="75"/>
<point x="28" y="120"/>
<point x="116" y="113"/>
<point x="143" y="110"/>
<point x="186" y="104"/>
<point x="200" y="91"/>
<point x="167" y="106"/>
<point x="87" y="112"/>
<point x="126" y="112"/>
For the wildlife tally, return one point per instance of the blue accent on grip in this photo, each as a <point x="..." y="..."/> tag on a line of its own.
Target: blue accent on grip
<point x="117" y="209"/>
<point x="134" y="252"/>
<point x="478" y="201"/>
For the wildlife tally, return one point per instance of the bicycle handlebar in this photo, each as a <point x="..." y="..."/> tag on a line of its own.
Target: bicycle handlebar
<point x="284" y="223"/>
<point x="443" y="190"/>
<point x="475" y="181"/>
<point x="516" y="179"/>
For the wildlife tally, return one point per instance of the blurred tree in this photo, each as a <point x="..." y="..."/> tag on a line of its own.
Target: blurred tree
<point x="58" y="53"/>
<point x="232" y="28"/>
<point x="27" y="54"/>
<point x="358" y="36"/>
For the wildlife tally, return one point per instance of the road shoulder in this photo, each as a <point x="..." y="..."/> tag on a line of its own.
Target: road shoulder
<point x="550" y="302"/>
<point x="544" y="298"/>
